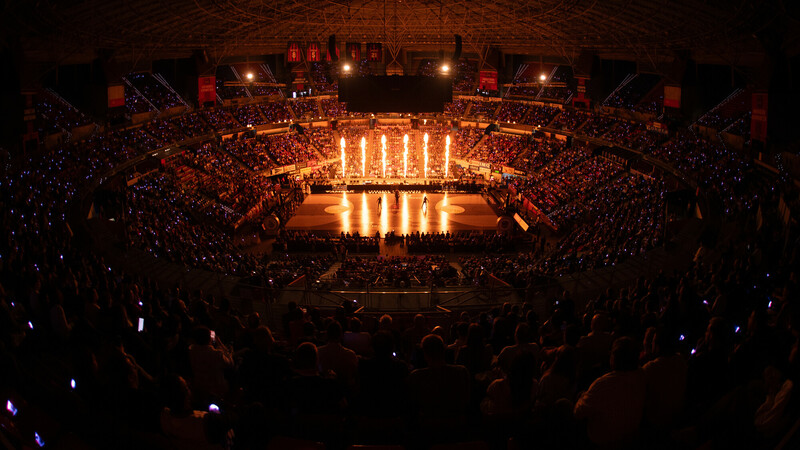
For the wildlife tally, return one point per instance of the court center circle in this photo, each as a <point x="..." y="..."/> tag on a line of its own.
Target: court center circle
<point x="450" y="209"/>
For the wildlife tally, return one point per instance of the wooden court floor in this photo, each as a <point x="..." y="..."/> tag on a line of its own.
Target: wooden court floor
<point x="351" y="212"/>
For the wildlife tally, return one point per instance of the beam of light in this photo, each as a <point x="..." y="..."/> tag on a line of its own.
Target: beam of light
<point x="443" y="216"/>
<point x="341" y="143"/>
<point x="446" y="155"/>
<point x="363" y="157"/>
<point x="383" y="154"/>
<point x="405" y="218"/>
<point x="425" y="149"/>
<point x="345" y="217"/>
<point x="384" y="226"/>
<point x="405" y="156"/>
<point x="365" y="216"/>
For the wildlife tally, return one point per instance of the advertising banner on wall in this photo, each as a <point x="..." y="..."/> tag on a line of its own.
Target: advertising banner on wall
<point x="488" y="80"/>
<point x="206" y="89"/>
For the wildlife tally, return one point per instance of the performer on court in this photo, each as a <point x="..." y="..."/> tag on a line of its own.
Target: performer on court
<point x="424" y="204"/>
<point x="380" y="204"/>
<point x="397" y="196"/>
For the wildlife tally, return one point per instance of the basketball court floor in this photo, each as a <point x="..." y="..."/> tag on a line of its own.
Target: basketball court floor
<point x="362" y="212"/>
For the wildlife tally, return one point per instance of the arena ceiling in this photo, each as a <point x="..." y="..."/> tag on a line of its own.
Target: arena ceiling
<point x="73" y="30"/>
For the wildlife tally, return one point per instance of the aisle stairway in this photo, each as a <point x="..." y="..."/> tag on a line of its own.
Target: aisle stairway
<point x="330" y="275"/>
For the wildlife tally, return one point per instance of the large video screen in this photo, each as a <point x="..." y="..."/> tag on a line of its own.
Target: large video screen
<point x="401" y="94"/>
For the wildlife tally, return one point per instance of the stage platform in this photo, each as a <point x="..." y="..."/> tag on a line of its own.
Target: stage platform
<point x="351" y="212"/>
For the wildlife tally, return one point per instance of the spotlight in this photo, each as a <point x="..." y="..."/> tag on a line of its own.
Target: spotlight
<point x="346" y="67"/>
<point x="445" y="68"/>
<point x="542" y="77"/>
<point x="249" y="75"/>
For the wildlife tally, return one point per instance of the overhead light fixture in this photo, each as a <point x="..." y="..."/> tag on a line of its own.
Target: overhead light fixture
<point x="445" y="68"/>
<point x="542" y="77"/>
<point x="346" y="67"/>
<point x="249" y="75"/>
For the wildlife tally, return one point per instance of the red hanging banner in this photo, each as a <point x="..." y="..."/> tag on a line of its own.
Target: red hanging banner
<point x="116" y="96"/>
<point x="354" y="51"/>
<point x="374" y="53"/>
<point x="207" y="89"/>
<point x="672" y="96"/>
<point x="758" y="119"/>
<point x="580" y="98"/>
<point x="488" y="80"/>
<point x="313" y="54"/>
<point x="294" y="53"/>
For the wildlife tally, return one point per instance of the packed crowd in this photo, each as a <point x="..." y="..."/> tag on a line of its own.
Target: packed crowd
<point x="219" y="119"/>
<point x="716" y="168"/>
<point x="251" y="151"/>
<point x="395" y="149"/>
<point x="462" y="241"/>
<point x="529" y="92"/>
<point x="305" y="109"/>
<point x="429" y="68"/>
<point x="322" y="138"/>
<point x="456" y="108"/>
<point x="558" y="87"/>
<point x="233" y="89"/>
<point x="135" y="103"/>
<point x="597" y="126"/>
<point x="164" y="130"/>
<point x="317" y="242"/>
<point x="192" y="125"/>
<point x="728" y="112"/>
<point x="395" y="271"/>
<point x="623" y="219"/>
<point x="512" y="112"/>
<point x="224" y="181"/>
<point x="320" y="76"/>
<point x="706" y="356"/>
<point x="669" y="352"/>
<point x="332" y="107"/>
<point x="289" y="148"/>
<point x="275" y="112"/>
<point x="741" y="127"/>
<point x="249" y="116"/>
<point x="541" y="116"/>
<point x="540" y="151"/>
<point x="155" y="91"/>
<point x="484" y="108"/>
<point x="55" y="115"/>
<point x="261" y="77"/>
<point x="557" y="94"/>
<point x="570" y="119"/>
<point x="437" y="133"/>
<point x="465" y="76"/>
<point x="465" y="140"/>
<point x="651" y="106"/>
<point x="501" y="148"/>
<point x="633" y="92"/>
<point x="633" y="135"/>
<point x="352" y="135"/>
<point x="573" y="183"/>
<point x="543" y="186"/>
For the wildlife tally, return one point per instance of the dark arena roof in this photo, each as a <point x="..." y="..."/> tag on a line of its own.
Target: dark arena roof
<point x="720" y="31"/>
<point x="473" y="225"/>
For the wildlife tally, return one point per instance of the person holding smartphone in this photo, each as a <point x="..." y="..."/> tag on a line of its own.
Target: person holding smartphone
<point x="209" y="360"/>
